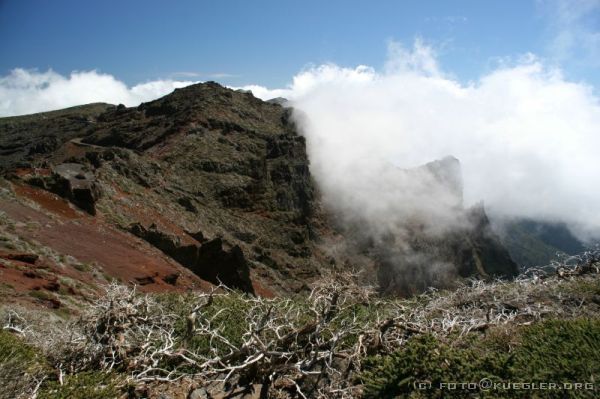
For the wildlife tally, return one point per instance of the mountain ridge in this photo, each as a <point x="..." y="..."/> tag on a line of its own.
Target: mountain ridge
<point x="203" y="167"/>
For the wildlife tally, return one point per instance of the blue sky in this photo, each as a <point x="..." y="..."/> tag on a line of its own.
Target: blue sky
<point x="509" y="87"/>
<point x="267" y="42"/>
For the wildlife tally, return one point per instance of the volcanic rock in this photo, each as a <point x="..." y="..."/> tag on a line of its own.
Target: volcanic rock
<point x="20" y="256"/>
<point x="209" y="260"/>
<point x="74" y="182"/>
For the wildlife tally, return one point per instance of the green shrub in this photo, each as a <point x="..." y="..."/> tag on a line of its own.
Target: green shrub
<point x="88" y="385"/>
<point x="584" y="288"/>
<point x="226" y="312"/>
<point x="426" y="359"/>
<point x="40" y="295"/>
<point x="20" y="367"/>
<point x="228" y="315"/>
<point x="359" y="313"/>
<point x="559" y="351"/>
<point x="551" y="351"/>
<point x="83" y="267"/>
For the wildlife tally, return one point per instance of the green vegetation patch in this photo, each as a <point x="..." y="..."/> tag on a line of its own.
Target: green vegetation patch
<point x="88" y="385"/>
<point x="227" y="314"/>
<point x="20" y="366"/>
<point x="559" y="351"/>
<point x="426" y="359"/>
<point x="553" y="351"/>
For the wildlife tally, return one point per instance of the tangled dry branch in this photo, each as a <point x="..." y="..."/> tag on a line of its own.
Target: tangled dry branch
<point x="301" y="347"/>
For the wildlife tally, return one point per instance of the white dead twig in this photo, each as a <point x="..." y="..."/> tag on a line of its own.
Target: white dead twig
<point x="303" y="347"/>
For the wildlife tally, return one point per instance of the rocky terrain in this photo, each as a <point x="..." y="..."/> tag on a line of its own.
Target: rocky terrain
<point x="204" y="186"/>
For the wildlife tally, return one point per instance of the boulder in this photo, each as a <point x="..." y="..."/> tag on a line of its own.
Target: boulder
<point x="165" y="242"/>
<point x="75" y="183"/>
<point x="209" y="259"/>
<point x="20" y="256"/>
<point x="219" y="265"/>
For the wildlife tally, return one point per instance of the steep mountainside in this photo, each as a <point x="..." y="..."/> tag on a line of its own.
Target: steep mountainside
<point x="205" y="185"/>
<point x="436" y="242"/>
<point x="537" y="243"/>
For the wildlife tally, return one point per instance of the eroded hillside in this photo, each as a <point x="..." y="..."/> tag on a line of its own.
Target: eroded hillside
<point x="204" y="186"/>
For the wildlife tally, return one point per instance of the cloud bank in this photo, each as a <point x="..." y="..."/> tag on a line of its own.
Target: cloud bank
<point x="526" y="137"/>
<point x="26" y="91"/>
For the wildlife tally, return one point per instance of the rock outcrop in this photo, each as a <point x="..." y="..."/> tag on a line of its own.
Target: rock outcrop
<point x="438" y="242"/>
<point x="208" y="259"/>
<point x="74" y="182"/>
<point x="448" y="175"/>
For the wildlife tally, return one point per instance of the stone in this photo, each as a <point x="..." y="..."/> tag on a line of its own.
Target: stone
<point x="171" y="278"/>
<point x="199" y="393"/>
<point x="20" y="256"/>
<point x="209" y="260"/>
<point x="73" y="182"/>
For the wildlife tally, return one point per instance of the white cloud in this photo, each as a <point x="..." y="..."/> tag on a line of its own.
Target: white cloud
<point x="264" y="93"/>
<point x="26" y="91"/>
<point x="526" y="137"/>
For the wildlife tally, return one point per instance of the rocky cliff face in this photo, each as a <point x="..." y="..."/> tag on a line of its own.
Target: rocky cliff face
<point x="423" y="260"/>
<point x="431" y="240"/>
<point x="215" y="180"/>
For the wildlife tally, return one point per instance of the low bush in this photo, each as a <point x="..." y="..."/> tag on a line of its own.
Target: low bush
<point x="557" y="351"/>
<point x="21" y="367"/>
<point x="88" y="385"/>
<point x="426" y="359"/>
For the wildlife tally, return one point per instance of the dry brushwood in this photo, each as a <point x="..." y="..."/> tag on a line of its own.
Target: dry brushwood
<point x="479" y="305"/>
<point x="286" y="344"/>
<point x="302" y="347"/>
<point x="14" y="323"/>
<point x="124" y="330"/>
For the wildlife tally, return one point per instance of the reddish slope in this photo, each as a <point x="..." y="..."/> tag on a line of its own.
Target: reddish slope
<point x="46" y="220"/>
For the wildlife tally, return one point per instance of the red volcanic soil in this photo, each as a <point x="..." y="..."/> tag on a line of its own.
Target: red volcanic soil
<point x="146" y="216"/>
<point x="89" y="239"/>
<point x="262" y="291"/>
<point x="47" y="200"/>
<point x="20" y="275"/>
<point x="27" y="273"/>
